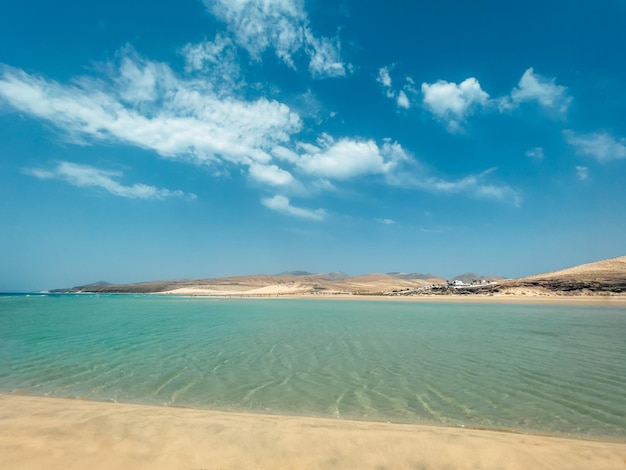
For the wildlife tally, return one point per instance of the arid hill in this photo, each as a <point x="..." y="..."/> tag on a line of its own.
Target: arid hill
<point x="607" y="270"/>
<point x="606" y="277"/>
<point x="292" y="283"/>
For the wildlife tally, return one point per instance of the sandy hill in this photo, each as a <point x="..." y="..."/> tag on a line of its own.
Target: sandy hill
<point x="606" y="277"/>
<point x="301" y="284"/>
<point x="295" y="282"/>
<point x="609" y="269"/>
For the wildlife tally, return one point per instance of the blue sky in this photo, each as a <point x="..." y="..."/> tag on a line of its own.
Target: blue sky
<point x="158" y="140"/>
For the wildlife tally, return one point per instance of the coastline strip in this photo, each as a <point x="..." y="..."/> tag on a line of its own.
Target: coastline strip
<point x="53" y="433"/>
<point x="618" y="301"/>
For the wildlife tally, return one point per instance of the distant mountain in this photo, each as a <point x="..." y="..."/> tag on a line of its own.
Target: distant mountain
<point x="137" y="288"/>
<point x="424" y="277"/>
<point x="334" y="276"/>
<point x="469" y="277"/>
<point x="99" y="284"/>
<point x="338" y="276"/>
<point x="295" y="273"/>
<point x="87" y="287"/>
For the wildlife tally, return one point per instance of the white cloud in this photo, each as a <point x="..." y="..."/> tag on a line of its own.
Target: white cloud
<point x="207" y="53"/>
<point x="258" y="24"/>
<point x="386" y="221"/>
<point x="181" y="119"/>
<point x="401" y="97"/>
<point x="190" y="118"/>
<point x="280" y="25"/>
<point x="137" y="83"/>
<point x="84" y="176"/>
<point x="582" y="172"/>
<point x="216" y="60"/>
<point x="307" y="147"/>
<point x="403" y="100"/>
<point x="325" y="57"/>
<point x="536" y="153"/>
<point x="600" y="145"/>
<point x="383" y="77"/>
<point x="285" y="154"/>
<point x="452" y="102"/>
<point x="535" y="87"/>
<point x="474" y="186"/>
<point x="271" y="174"/>
<point x="348" y="158"/>
<point x="282" y="204"/>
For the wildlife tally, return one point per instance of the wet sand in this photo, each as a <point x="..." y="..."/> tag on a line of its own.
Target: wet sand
<point x="50" y="433"/>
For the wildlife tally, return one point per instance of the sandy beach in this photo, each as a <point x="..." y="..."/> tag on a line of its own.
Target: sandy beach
<point x="520" y="298"/>
<point x="50" y="433"/>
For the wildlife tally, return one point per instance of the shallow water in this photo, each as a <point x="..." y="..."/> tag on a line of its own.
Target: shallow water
<point x="548" y="369"/>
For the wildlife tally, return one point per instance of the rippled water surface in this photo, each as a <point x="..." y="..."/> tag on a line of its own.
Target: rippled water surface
<point x="551" y="369"/>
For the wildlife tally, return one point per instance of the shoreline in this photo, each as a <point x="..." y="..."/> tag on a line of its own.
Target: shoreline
<point x="607" y="301"/>
<point x="511" y="299"/>
<point x="346" y="419"/>
<point x="44" y="432"/>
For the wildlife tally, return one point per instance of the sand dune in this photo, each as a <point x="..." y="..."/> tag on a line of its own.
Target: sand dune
<point x="51" y="434"/>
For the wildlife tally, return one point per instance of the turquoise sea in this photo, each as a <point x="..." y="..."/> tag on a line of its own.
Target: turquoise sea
<point x="548" y="369"/>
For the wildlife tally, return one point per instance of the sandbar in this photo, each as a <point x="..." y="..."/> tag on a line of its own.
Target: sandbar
<point x="52" y="433"/>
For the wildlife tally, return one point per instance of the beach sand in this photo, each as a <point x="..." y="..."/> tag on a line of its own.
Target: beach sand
<point x="50" y="433"/>
<point x="527" y="298"/>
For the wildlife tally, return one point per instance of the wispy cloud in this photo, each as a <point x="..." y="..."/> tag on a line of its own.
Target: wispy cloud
<point x="533" y="87"/>
<point x="536" y="153"/>
<point x="436" y="229"/>
<point x="271" y="174"/>
<point x="386" y="221"/>
<point x="325" y="57"/>
<point x="403" y="100"/>
<point x="385" y="80"/>
<point x="216" y="61"/>
<point x="84" y="176"/>
<point x="346" y="159"/>
<point x="582" y="172"/>
<point x="152" y="108"/>
<point x="282" y="26"/>
<point x="401" y="97"/>
<point x="452" y="102"/>
<point x="600" y="145"/>
<point x="474" y="186"/>
<point x="197" y="117"/>
<point x="283" y="205"/>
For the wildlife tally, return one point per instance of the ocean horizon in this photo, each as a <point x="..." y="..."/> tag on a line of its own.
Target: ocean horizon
<point x="549" y="369"/>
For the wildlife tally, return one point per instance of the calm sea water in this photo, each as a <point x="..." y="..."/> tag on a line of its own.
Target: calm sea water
<point x="549" y="369"/>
